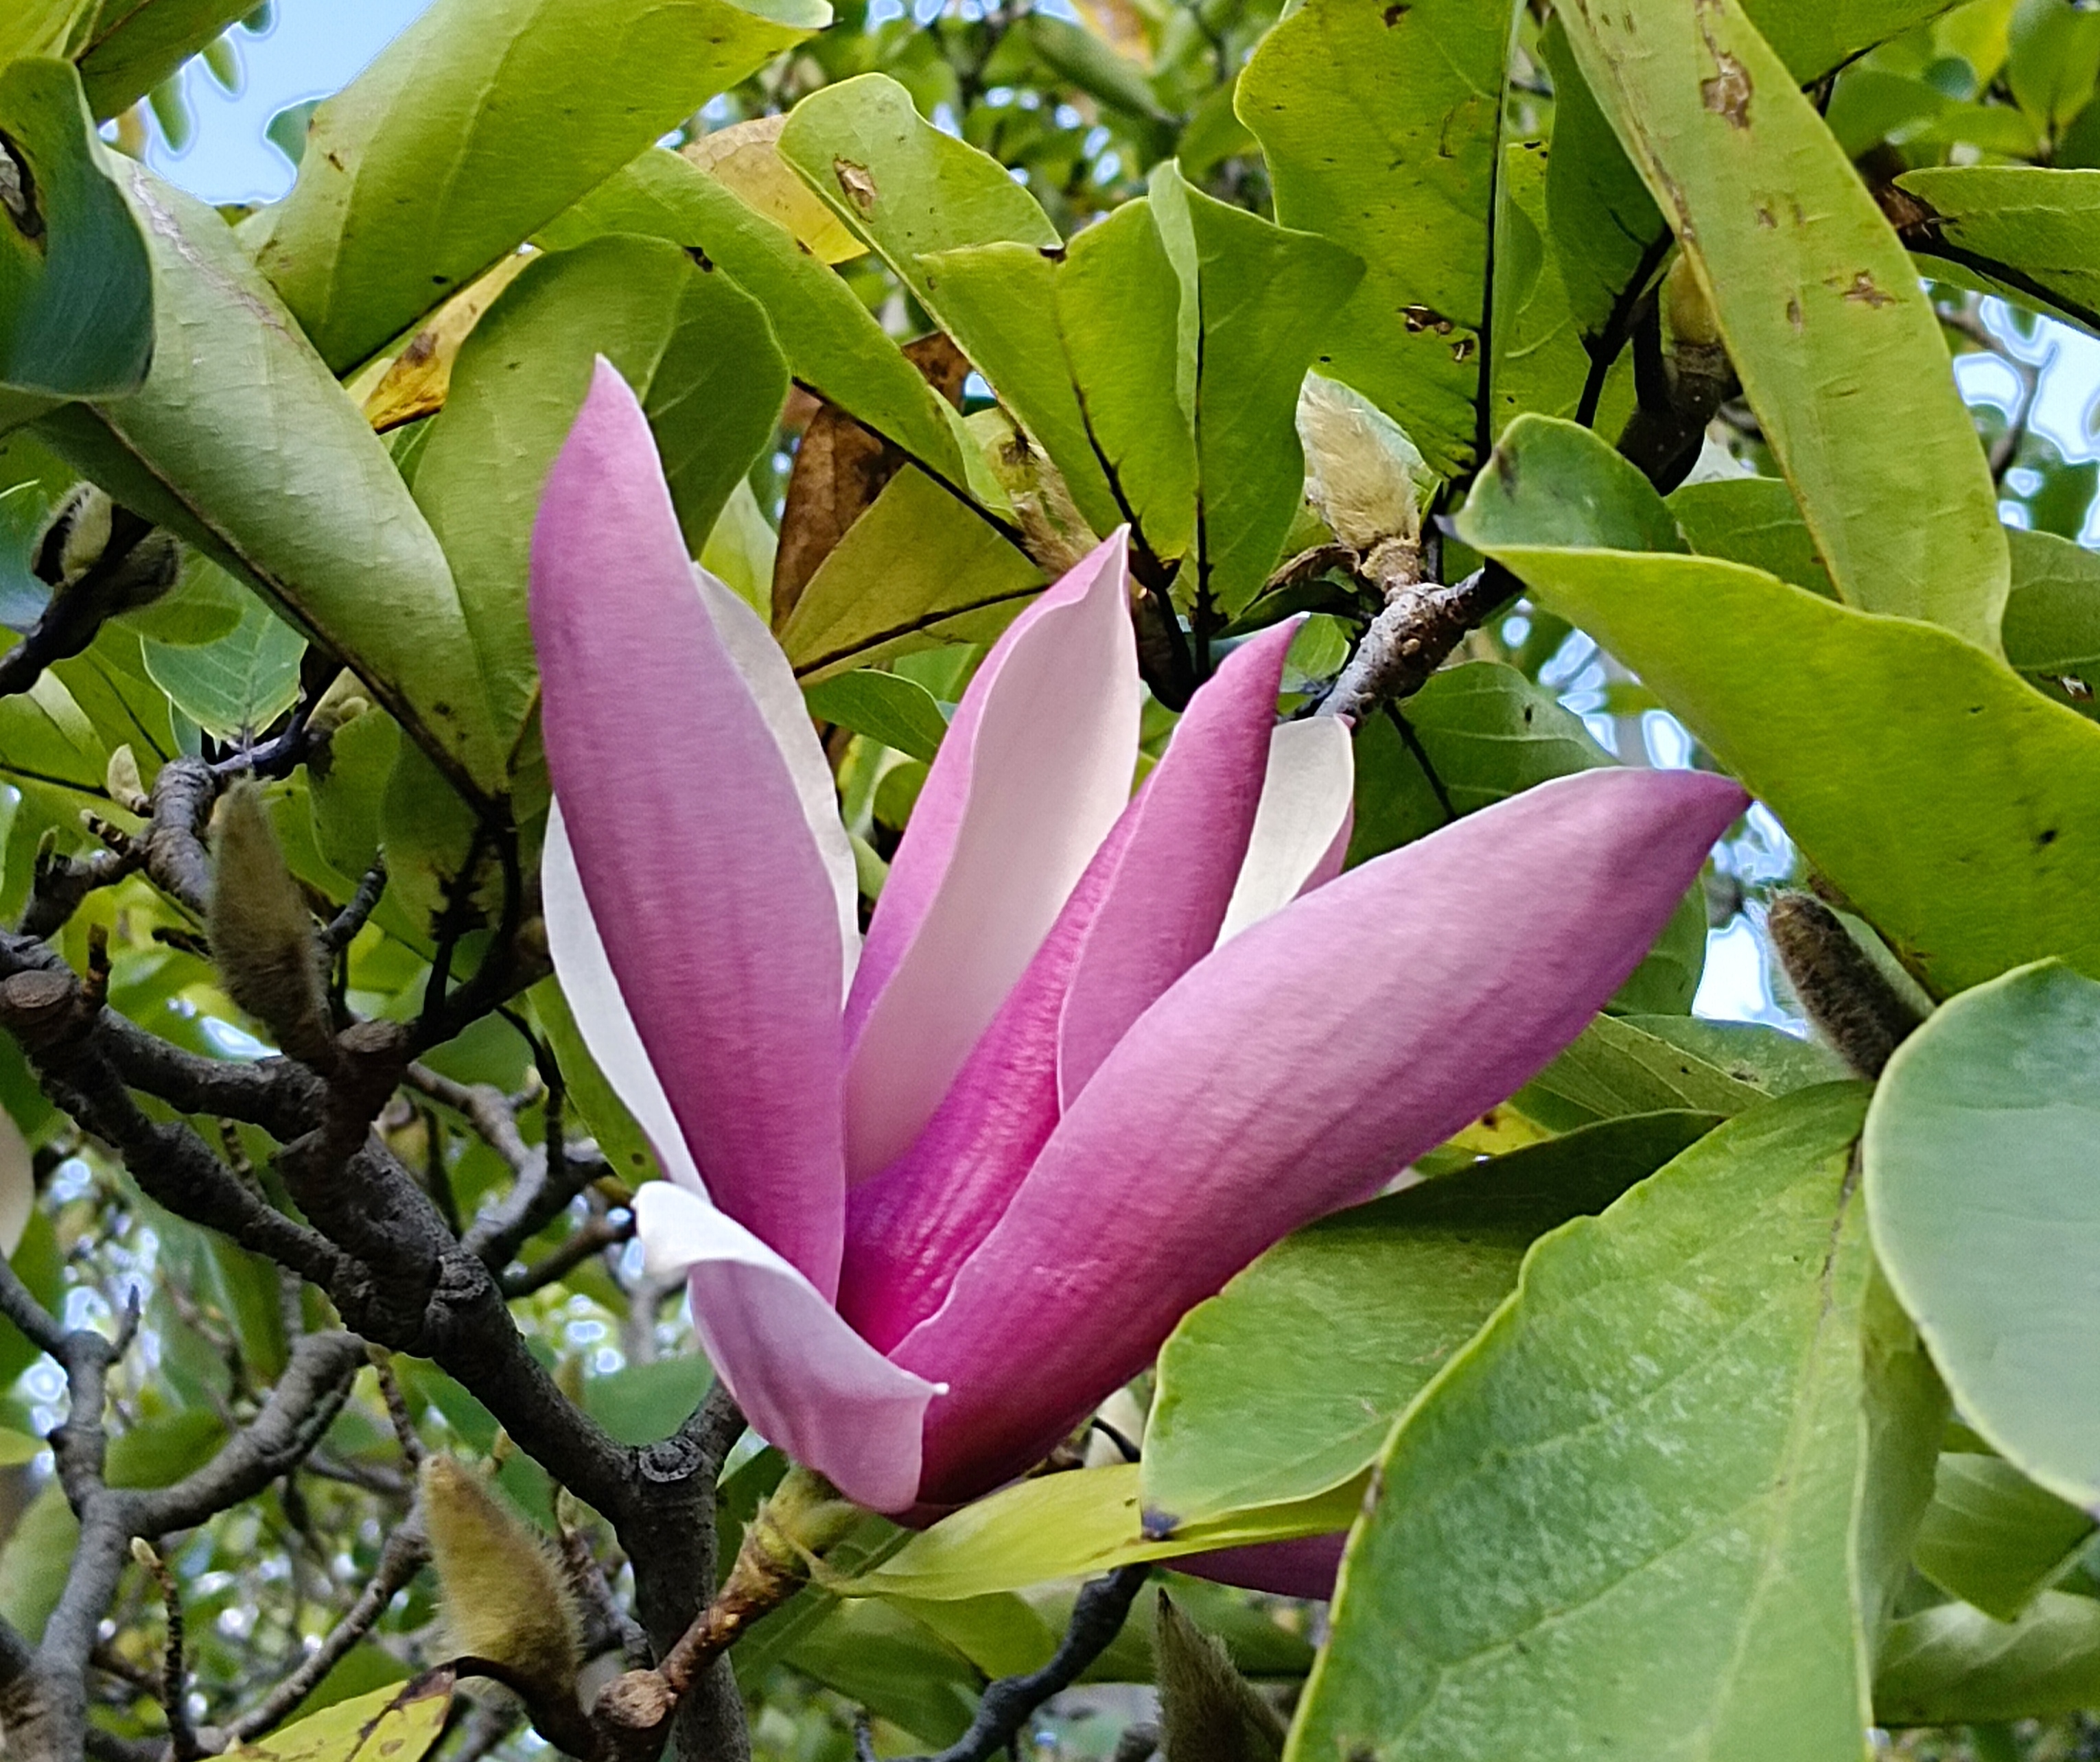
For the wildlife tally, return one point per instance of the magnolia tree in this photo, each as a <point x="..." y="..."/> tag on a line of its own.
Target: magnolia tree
<point x="854" y="870"/>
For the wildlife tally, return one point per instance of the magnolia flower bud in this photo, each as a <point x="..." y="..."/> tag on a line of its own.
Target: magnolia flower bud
<point x="1363" y="476"/>
<point x="1207" y="1708"/>
<point x="127" y="787"/>
<point x="506" y="1598"/>
<point x="1689" y="312"/>
<point x="261" y="934"/>
<point x="1858" y="1010"/>
<point x="119" y="565"/>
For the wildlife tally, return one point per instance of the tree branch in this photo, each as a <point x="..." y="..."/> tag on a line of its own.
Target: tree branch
<point x="1410" y="640"/>
<point x="1009" y="1703"/>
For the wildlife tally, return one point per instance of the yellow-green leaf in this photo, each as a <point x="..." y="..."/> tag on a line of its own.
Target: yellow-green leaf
<point x="1834" y="340"/>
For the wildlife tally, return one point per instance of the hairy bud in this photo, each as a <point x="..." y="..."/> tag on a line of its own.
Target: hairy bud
<point x="1685" y="309"/>
<point x="1208" y="1712"/>
<point x="506" y="1597"/>
<point x="1363" y="476"/>
<point x="127" y="787"/>
<point x="95" y="550"/>
<point x="261" y="935"/>
<point x="1854" y="1005"/>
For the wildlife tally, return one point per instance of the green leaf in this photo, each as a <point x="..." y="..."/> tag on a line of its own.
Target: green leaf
<point x="37" y="1560"/>
<point x="1073" y="1526"/>
<point x="1997" y="1272"/>
<point x="325" y="528"/>
<point x="1955" y="1665"/>
<point x="1000" y="302"/>
<point x="1381" y="128"/>
<point x="879" y="1656"/>
<point x="46" y="28"/>
<point x="476" y="126"/>
<point x="2052" y="618"/>
<point x="1956" y="807"/>
<point x="2055" y="55"/>
<point x="1554" y="482"/>
<point x="1286" y="1384"/>
<point x="2052" y="614"/>
<point x="1766" y="1059"/>
<point x="917" y="569"/>
<point x="391" y="1725"/>
<point x="158" y="1453"/>
<point x="346" y="795"/>
<point x="1540" y="360"/>
<point x="1620" y="1523"/>
<point x="1119" y="306"/>
<point x="1265" y="297"/>
<point x="643" y="1403"/>
<point x="1613" y="1068"/>
<point x="137" y="44"/>
<point x="1603" y="223"/>
<point x="1476" y="733"/>
<point x="698" y="353"/>
<point x="2028" y="233"/>
<point x="833" y="344"/>
<point x="1813" y="37"/>
<point x="240" y="683"/>
<point x="900" y="713"/>
<point x="901" y="184"/>
<point x="1817" y="301"/>
<point x="1754" y="521"/>
<point x="76" y="289"/>
<point x="1993" y="1538"/>
<point x="620" y="1140"/>
<point x="19" y="1447"/>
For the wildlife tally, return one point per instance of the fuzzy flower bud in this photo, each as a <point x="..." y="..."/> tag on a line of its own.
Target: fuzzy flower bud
<point x="261" y="934"/>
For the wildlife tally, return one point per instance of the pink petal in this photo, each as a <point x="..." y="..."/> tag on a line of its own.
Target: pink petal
<point x="1036" y="768"/>
<point x="1148" y="907"/>
<point x="1288" y="1074"/>
<point x="1304" y="823"/>
<point x="770" y="679"/>
<point x="1194" y="817"/>
<point x="609" y="1033"/>
<point x="805" y="1381"/>
<point x="718" y="917"/>
<point x="1305" y="1567"/>
<point x="908" y="1229"/>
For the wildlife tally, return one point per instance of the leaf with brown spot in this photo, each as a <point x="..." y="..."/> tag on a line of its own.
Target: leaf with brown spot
<point x="1832" y="370"/>
<point x="746" y="156"/>
<point x="400" y="1723"/>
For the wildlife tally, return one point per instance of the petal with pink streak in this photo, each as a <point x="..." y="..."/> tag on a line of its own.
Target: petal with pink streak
<point x="805" y="1381"/>
<point x="703" y="877"/>
<point x="609" y="1033"/>
<point x="1194" y="816"/>
<point x="1287" y="1074"/>
<point x="1302" y="828"/>
<point x="1034" y="770"/>
<point x="770" y="681"/>
<point x="1305" y="1567"/>
<point x="914" y="1224"/>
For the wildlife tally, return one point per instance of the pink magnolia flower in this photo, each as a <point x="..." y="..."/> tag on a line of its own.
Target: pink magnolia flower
<point x="939" y="1195"/>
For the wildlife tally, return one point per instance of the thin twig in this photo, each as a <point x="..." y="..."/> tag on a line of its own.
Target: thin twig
<point x="400" y="1561"/>
<point x="1097" y="1617"/>
<point x="174" y="1687"/>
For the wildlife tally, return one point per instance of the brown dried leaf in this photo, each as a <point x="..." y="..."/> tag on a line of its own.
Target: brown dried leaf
<point x="839" y="469"/>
